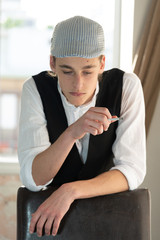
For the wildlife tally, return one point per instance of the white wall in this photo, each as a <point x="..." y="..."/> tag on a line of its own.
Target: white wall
<point x="153" y="140"/>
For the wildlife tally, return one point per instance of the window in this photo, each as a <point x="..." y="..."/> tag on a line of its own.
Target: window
<point x="25" y="34"/>
<point x="8" y="123"/>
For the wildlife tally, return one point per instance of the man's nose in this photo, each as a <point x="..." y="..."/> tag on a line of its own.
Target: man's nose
<point x="78" y="82"/>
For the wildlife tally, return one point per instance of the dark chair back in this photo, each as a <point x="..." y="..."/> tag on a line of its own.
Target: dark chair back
<point x="120" y="216"/>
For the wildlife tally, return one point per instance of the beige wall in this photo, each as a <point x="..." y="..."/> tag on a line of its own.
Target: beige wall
<point x="152" y="179"/>
<point x="8" y="195"/>
<point x="153" y="140"/>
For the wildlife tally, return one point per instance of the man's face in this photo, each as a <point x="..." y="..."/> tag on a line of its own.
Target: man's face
<point x="78" y="77"/>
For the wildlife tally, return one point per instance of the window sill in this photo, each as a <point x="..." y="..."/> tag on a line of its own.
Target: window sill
<point x="9" y="166"/>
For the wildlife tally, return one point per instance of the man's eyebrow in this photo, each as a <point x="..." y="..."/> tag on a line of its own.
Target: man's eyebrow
<point x="89" y="66"/>
<point x="85" y="67"/>
<point x="65" y="66"/>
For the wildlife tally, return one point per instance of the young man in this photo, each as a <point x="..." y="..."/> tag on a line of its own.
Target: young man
<point x="68" y="136"/>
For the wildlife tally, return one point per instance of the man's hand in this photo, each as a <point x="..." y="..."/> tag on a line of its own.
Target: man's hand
<point x="50" y="212"/>
<point x="94" y="121"/>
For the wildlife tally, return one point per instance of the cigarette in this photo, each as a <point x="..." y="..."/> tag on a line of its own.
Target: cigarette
<point x="115" y="119"/>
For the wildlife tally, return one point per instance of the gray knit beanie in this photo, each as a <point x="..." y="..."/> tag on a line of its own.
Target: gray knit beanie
<point x="78" y="37"/>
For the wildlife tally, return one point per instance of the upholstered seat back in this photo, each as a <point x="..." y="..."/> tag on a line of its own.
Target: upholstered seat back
<point x="121" y="216"/>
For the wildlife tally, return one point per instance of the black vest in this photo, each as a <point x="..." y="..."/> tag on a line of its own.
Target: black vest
<point x="100" y="156"/>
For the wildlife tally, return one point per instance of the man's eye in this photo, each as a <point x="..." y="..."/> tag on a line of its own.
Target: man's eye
<point x="67" y="72"/>
<point x="87" y="73"/>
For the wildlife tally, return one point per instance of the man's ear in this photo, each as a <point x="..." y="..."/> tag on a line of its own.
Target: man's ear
<point x="102" y="64"/>
<point x="52" y="64"/>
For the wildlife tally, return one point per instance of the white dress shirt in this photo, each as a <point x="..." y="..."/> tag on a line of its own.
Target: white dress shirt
<point x="129" y="148"/>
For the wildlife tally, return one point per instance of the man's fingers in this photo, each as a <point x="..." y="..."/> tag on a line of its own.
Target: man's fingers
<point x="40" y="225"/>
<point x="97" y="116"/>
<point x="95" y="127"/>
<point x="56" y="225"/>
<point x="101" y="110"/>
<point x="34" y="220"/>
<point x="100" y="115"/>
<point x="48" y="225"/>
<point x="94" y="121"/>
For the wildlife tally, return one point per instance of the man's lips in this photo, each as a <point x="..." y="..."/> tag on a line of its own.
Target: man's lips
<point x="76" y="94"/>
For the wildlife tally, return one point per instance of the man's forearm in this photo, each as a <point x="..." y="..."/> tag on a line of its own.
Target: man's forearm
<point x="55" y="207"/>
<point x="106" y="183"/>
<point x="47" y="164"/>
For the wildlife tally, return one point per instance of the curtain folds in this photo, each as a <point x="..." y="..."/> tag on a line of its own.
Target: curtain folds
<point x="147" y="60"/>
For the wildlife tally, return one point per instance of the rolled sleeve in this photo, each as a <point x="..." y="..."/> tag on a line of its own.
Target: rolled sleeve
<point x="26" y="177"/>
<point x="33" y="135"/>
<point x="129" y="148"/>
